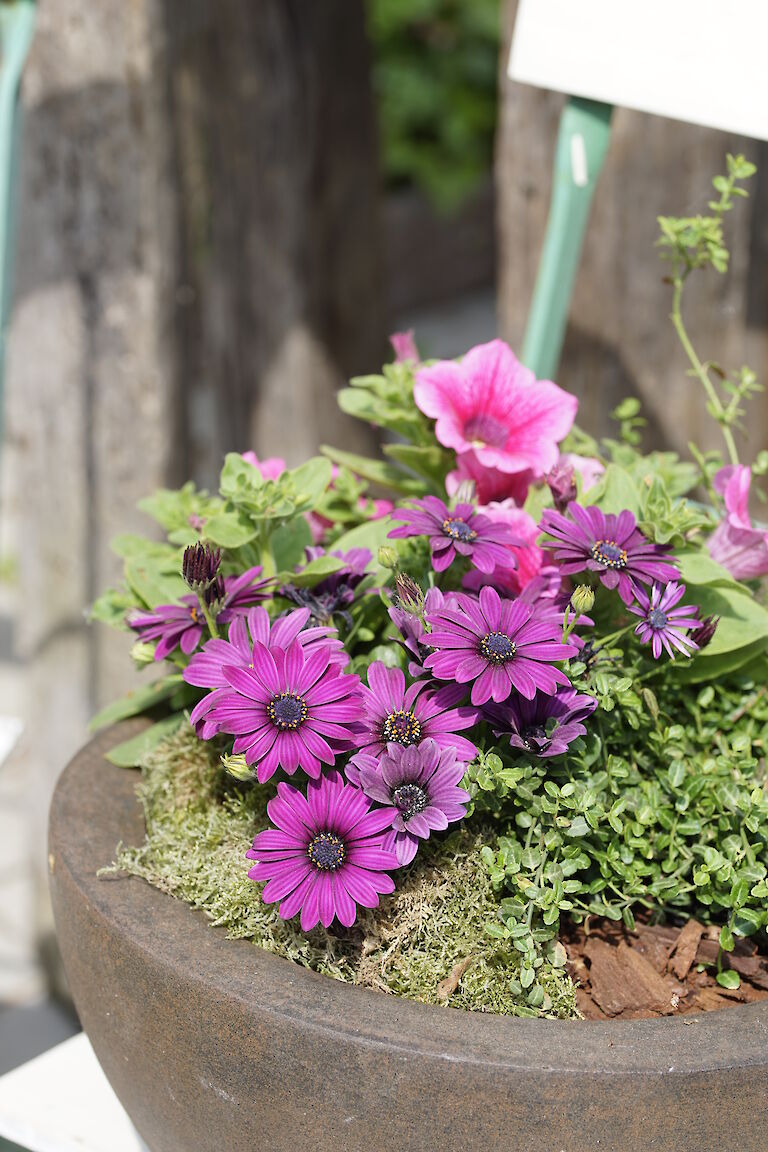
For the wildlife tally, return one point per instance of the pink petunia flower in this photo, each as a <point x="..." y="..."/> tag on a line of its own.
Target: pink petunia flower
<point x="735" y="544"/>
<point x="271" y="468"/>
<point x="588" y="467"/>
<point x="490" y="484"/>
<point x="493" y="405"/>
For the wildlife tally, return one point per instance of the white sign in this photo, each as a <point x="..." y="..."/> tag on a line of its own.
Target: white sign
<point x="703" y="61"/>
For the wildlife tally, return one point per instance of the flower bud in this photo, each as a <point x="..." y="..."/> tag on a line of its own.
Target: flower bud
<point x="237" y="767"/>
<point x="215" y="592"/>
<point x="702" y="635"/>
<point x="582" y="599"/>
<point x="562" y="485"/>
<point x="142" y="653"/>
<point x="200" y="565"/>
<point x="409" y="596"/>
<point x="388" y="557"/>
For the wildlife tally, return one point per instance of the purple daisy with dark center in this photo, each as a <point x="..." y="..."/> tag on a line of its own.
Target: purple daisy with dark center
<point x="501" y="645"/>
<point x="544" y="726"/>
<point x="611" y="545"/>
<point x="328" y="852"/>
<point x="333" y="595"/>
<point x="290" y="710"/>
<point x="183" y="625"/>
<point x="419" y="786"/>
<point x="206" y="668"/>
<point x="460" y="531"/>
<point x="662" y="623"/>
<point x="394" y="714"/>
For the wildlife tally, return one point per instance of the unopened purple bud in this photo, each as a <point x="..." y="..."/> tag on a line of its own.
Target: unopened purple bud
<point x="702" y="635"/>
<point x="562" y="485"/>
<point x="200" y="565"/>
<point x="409" y="596"/>
<point x="214" y="594"/>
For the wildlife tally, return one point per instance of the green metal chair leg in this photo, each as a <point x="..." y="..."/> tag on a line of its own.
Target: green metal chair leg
<point x="17" y="19"/>
<point x="582" y="142"/>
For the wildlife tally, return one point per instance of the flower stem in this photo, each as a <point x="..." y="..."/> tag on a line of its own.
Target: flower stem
<point x="700" y="371"/>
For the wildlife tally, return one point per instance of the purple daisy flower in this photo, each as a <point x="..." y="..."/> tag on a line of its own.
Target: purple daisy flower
<point x="460" y="532"/>
<point x="333" y="595"/>
<point x="419" y="787"/>
<point x="662" y="624"/>
<point x="394" y="714"/>
<point x="182" y="625"/>
<point x="206" y="668"/>
<point x="291" y="710"/>
<point x="501" y="645"/>
<point x="327" y="854"/>
<point x="527" y="723"/>
<point x="608" y="544"/>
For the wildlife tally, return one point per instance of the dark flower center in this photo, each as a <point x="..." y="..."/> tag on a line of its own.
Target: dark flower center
<point x="535" y="735"/>
<point x="607" y="552"/>
<point x="458" y="529"/>
<point x="287" y="711"/>
<point x="409" y="800"/>
<point x="486" y="429"/>
<point x="497" y="647"/>
<point x="401" y="727"/>
<point x="326" y="851"/>
<point x="657" y="619"/>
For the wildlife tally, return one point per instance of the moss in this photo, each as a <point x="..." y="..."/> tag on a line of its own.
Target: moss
<point x="426" y="942"/>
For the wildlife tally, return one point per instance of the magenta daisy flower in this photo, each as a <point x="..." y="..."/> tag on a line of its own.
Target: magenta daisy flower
<point x="611" y="545"/>
<point x="501" y="645"/>
<point x="291" y="710"/>
<point x="494" y="406"/>
<point x="206" y="668"/>
<point x="544" y="726"/>
<point x="419" y="787"/>
<point x="662" y="623"/>
<point x="460" y="532"/>
<point x="327" y="854"/>
<point x="183" y="625"/>
<point x="394" y="714"/>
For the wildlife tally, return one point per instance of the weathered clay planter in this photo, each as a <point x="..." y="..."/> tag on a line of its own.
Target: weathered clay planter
<point x="215" y="1046"/>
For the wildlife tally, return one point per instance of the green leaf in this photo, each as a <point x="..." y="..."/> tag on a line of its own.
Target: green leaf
<point x="310" y="480"/>
<point x="156" y="578"/>
<point x="230" y="529"/>
<point x="313" y="573"/>
<point x="728" y="978"/>
<point x="727" y="942"/>
<point x="131" y="753"/>
<point x="377" y="471"/>
<point x="431" y="461"/>
<point x="699" y="568"/>
<point x="141" y="700"/>
<point x="289" y="541"/>
<point x="616" y="491"/>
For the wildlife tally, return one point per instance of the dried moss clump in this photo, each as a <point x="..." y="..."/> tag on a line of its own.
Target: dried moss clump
<point x="426" y="942"/>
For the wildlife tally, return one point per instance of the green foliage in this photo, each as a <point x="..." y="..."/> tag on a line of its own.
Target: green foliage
<point x="435" y="71"/>
<point x="662" y="807"/>
<point x="692" y="243"/>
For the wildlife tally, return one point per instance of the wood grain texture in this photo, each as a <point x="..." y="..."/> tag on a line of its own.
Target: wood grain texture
<point x="619" y="340"/>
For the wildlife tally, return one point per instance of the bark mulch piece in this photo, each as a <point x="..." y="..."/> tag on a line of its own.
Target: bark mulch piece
<point x="654" y="970"/>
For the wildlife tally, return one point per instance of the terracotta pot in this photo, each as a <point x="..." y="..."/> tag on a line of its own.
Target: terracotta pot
<point x="215" y="1046"/>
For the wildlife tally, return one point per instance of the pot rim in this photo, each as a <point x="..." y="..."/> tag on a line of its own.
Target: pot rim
<point x="236" y="969"/>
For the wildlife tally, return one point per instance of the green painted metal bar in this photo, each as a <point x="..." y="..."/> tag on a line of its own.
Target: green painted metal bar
<point x="582" y="142"/>
<point x="17" y="20"/>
